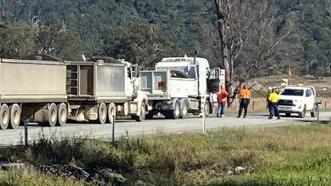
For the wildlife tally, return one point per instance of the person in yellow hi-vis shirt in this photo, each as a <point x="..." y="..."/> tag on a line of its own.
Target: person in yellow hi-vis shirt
<point x="273" y="100"/>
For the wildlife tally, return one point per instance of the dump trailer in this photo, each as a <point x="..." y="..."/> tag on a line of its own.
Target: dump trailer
<point x="178" y="86"/>
<point x="100" y="90"/>
<point x="29" y="87"/>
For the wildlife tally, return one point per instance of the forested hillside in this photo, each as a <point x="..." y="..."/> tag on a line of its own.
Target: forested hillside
<point x="143" y="31"/>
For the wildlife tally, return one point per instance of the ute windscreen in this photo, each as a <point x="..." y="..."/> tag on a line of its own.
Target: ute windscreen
<point x="292" y="92"/>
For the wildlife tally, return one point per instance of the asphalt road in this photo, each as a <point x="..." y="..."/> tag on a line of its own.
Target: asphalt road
<point x="132" y="129"/>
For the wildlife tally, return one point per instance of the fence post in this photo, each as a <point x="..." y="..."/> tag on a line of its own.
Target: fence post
<point x="203" y="116"/>
<point x="113" y="133"/>
<point x="26" y="135"/>
<point x="318" y="112"/>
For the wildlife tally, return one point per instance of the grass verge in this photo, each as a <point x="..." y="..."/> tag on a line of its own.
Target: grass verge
<point x="296" y="155"/>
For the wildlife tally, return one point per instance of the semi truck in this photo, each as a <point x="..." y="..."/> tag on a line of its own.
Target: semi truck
<point x="101" y="89"/>
<point x="50" y="91"/>
<point x="180" y="85"/>
<point x="28" y="86"/>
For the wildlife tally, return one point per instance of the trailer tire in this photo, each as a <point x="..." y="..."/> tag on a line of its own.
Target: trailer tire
<point x="15" y="116"/>
<point x="111" y="113"/>
<point x="102" y="113"/>
<point x="52" y="115"/>
<point x="183" y="109"/>
<point x="142" y="114"/>
<point x="62" y="114"/>
<point x="4" y="117"/>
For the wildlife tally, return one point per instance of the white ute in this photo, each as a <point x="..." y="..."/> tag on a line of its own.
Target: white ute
<point x="297" y="99"/>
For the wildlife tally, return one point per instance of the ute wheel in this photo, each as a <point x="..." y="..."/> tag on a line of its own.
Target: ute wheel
<point x="52" y="115"/>
<point x="62" y="114"/>
<point x="102" y="113"/>
<point x="142" y="114"/>
<point x="4" y="116"/>
<point x="288" y="114"/>
<point x="15" y="116"/>
<point x="183" y="109"/>
<point x="303" y="113"/>
<point x="111" y="113"/>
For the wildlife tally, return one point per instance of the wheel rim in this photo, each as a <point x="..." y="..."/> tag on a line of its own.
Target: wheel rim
<point x="16" y="115"/>
<point x="111" y="115"/>
<point x="62" y="115"/>
<point x="4" y="117"/>
<point x="177" y="111"/>
<point x="206" y="110"/>
<point x="184" y="109"/>
<point x="53" y="115"/>
<point x="102" y="113"/>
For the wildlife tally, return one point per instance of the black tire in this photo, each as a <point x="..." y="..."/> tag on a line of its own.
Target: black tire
<point x="288" y="114"/>
<point x="142" y="114"/>
<point x="15" y="116"/>
<point x="52" y="115"/>
<point x="303" y="113"/>
<point x="62" y="111"/>
<point x="206" y="109"/>
<point x="149" y="116"/>
<point x="175" y="113"/>
<point x="313" y="113"/>
<point x="183" y="109"/>
<point x="111" y="113"/>
<point x="4" y="116"/>
<point x="102" y="113"/>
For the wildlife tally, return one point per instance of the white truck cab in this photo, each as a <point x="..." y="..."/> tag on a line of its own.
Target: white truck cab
<point x="297" y="99"/>
<point x="178" y="86"/>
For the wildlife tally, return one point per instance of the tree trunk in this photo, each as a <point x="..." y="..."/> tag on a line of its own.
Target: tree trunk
<point x="221" y="31"/>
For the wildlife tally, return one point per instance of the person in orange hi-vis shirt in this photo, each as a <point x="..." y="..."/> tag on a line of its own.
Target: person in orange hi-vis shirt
<point x="245" y="99"/>
<point x="222" y="98"/>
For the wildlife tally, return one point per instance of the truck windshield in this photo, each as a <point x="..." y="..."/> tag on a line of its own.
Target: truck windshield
<point x="188" y="70"/>
<point x="292" y="92"/>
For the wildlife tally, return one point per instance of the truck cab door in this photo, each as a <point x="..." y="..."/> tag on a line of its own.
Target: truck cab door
<point x="135" y="73"/>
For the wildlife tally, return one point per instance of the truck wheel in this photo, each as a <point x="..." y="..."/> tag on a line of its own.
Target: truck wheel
<point x="62" y="114"/>
<point x="303" y="113"/>
<point x="52" y="115"/>
<point x="149" y="116"/>
<point x="183" y="109"/>
<point x="111" y="113"/>
<point x="313" y="113"/>
<point x="174" y="114"/>
<point x="142" y="114"/>
<point x="4" y="116"/>
<point x="206" y="109"/>
<point x="102" y="114"/>
<point x="15" y="116"/>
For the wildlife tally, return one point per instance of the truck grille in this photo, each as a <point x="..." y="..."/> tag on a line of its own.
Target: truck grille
<point x="285" y="102"/>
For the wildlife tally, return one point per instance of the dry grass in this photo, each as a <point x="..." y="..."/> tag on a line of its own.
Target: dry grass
<point x="293" y="155"/>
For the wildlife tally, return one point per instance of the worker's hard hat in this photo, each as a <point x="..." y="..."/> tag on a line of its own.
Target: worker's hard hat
<point x="269" y="88"/>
